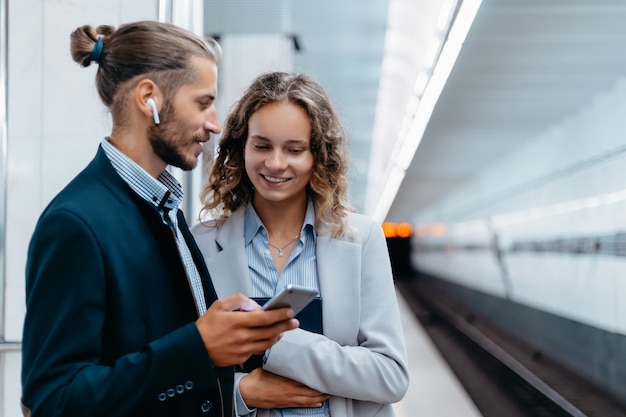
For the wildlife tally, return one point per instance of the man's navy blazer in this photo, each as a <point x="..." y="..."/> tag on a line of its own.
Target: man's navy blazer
<point x="110" y="321"/>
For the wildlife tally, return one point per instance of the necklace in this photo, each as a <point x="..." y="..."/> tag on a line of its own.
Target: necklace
<point x="280" y="250"/>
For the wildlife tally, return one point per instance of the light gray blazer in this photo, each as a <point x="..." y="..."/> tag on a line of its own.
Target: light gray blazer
<point x="361" y="358"/>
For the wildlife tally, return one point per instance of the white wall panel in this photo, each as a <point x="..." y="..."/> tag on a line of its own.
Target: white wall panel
<point x="567" y="182"/>
<point x="55" y="122"/>
<point x="598" y="127"/>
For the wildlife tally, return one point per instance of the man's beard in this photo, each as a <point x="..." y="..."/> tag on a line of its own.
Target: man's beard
<point x="166" y="142"/>
<point x="169" y="153"/>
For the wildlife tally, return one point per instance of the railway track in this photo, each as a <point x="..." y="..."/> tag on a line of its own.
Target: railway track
<point x="504" y="377"/>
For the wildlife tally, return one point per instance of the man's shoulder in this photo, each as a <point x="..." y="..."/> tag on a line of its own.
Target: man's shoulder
<point x="93" y="196"/>
<point x="82" y="192"/>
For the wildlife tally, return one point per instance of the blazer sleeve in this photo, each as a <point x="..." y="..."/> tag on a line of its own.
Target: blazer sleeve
<point x="64" y="373"/>
<point x="375" y="367"/>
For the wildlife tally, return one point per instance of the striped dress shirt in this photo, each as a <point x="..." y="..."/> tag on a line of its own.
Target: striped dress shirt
<point x="166" y="194"/>
<point x="300" y="269"/>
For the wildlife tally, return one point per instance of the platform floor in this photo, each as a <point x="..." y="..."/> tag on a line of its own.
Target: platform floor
<point x="434" y="390"/>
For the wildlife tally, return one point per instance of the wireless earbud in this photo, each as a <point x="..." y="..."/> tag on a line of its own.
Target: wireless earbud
<point x="155" y="113"/>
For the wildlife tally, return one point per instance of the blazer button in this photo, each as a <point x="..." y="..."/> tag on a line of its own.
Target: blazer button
<point x="206" y="406"/>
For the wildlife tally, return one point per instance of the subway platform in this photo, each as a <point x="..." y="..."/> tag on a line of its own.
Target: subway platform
<point x="434" y="390"/>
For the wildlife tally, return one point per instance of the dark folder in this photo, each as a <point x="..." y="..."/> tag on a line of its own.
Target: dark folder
<point x="310" y="319"/>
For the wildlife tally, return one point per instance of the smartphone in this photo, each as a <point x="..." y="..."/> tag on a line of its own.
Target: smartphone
<point x="293" y="296"/>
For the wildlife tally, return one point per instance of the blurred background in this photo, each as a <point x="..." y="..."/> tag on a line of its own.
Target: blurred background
<point x="492" y="131"/>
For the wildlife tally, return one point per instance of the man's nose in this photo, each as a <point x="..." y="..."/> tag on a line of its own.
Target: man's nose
<point x="212" y="123"/>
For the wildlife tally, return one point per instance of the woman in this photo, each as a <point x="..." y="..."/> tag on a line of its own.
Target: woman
<point x="277" y="195"/>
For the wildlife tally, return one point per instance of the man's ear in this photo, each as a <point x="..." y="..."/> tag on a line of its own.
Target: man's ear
<point x="148" y="99"/>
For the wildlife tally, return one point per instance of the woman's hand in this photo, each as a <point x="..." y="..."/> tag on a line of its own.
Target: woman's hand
<point x="263" y="389"/>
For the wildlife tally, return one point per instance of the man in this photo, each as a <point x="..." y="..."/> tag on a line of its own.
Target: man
<point x="122" y="317"/>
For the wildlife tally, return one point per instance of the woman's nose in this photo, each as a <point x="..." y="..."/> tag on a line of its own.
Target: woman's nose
<point x="276" y="160"/>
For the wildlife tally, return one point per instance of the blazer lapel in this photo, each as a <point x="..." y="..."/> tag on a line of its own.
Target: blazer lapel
<point x="229" y="265"/>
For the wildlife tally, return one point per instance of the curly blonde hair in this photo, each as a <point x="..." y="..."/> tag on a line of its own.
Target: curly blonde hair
<point x="229" y="186"/>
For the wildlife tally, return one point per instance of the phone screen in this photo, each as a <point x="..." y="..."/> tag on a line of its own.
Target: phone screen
<point x="293" y="296"/>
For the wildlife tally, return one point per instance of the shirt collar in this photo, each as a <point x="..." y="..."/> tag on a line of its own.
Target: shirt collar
<point x="253" y="223"/>
<point x="162" y="192"/>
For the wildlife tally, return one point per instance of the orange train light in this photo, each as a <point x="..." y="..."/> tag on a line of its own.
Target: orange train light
<point x="393" y="230"/>
<point x="404" y="230"/>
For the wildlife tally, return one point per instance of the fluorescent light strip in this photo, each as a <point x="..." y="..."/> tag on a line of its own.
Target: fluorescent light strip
<point x="537" y="213"/>
<point x="406" y="146"/>
<point x="420" y="84"/>
<point x="392" y="183"/>
<point x="445" y="15"/>
<point x="431" y="53"/>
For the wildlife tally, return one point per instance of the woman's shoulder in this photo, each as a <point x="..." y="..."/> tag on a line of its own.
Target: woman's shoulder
<point x="358" y="228"/>
<point x="205" y="235"/>
<point x="205" y="229"/>
<point x="360" y="221"/>
<point x="221" y="230"/>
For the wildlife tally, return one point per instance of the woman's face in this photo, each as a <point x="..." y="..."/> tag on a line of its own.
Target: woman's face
<point x="277" y="153"/>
